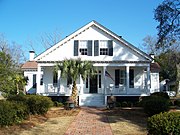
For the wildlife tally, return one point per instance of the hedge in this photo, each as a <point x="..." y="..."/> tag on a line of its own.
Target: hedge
<point x="36" y="104"/>
<point x="18" y="107"/>
<point x="154" y="105"/>
<point x="39" y="104"/>
<point x="11" y="113"/>
<point x="167" y="123"/>
<point x="161" y="94"/>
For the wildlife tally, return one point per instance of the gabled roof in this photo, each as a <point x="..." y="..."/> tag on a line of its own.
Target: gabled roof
<point x="30" y="65"/>
<point x="83" y="29"/>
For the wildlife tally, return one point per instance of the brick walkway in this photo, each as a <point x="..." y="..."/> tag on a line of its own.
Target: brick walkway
<point x="90" y="121"/>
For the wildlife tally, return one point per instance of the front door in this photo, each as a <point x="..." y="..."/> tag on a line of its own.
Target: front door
<point x="93" y="84"/>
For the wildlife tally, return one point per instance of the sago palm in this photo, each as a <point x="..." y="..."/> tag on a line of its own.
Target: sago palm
<point x="73" y="69"/>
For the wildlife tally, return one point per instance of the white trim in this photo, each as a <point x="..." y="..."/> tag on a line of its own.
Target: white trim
<point x="38" y="78"/>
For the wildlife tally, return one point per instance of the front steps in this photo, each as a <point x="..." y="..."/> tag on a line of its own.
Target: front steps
<point x="96" y="100"/>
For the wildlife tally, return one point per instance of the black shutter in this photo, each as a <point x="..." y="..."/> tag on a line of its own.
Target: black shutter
<point x="131" y="78"/>
<point x="96" y="48"/>
<point x="117" y="78"/>
<point x="76" y="44"/>
<point x="110" y="46"/>
<point x="89" y="47"/>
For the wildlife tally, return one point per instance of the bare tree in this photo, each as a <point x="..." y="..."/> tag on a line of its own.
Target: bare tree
<point x="13" y="49"/>
<point x="45" y="40"/>
<point x="50" y="39"/>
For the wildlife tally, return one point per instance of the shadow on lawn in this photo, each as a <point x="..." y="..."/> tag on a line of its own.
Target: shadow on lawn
<point x="133" y="116"/>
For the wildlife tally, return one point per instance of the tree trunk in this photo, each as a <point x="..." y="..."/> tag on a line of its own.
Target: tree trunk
<point x="17" y="87"/>
<point x="75" y="93"/>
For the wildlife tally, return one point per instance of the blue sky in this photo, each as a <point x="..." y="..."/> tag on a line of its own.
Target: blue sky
<point x="24" y="20"/>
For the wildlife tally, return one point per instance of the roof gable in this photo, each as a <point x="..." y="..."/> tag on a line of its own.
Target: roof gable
<point x="85" y="28"/>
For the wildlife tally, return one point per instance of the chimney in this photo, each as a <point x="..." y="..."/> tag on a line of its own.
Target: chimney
<point x="31" y="55"/>
<point x="152" y="56"/>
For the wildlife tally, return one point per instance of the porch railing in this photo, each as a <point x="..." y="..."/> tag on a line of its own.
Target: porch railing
<point x="64" y="90"/>
<point x="123" y="90"/>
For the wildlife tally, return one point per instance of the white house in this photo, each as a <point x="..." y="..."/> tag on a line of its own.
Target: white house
<point x="122" y="69"/>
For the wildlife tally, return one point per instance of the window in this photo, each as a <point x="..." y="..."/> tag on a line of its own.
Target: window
<point x="87" y="82"/>
<point x="83" y="51"/>
<point x="55" y="78"/>
<point x="117" y="78"/>
<point x="106" y="47"/>
<point x="120" y="77"/>
<point x="83" y="47"/>
<point x="34" y="80"/>
<point x="103" y="47"/>
<point x="131" y="78"/>
<point x="99" y="80"/>
<point x="103" y="51"/>
<point x="41" y="81"/>
<point x="69" y="81"/>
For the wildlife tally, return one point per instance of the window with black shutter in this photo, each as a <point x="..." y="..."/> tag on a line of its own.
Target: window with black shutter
<point x="110" y="46"/>
<point x="96" y="48"/>
<point x="89" y="47"/>
<point x="69" y="81"/>
<point x="34" y="80"/>
<point x="106" y="47"/>
<point x="55" y="78"/>
<point x="117" y="79"/>
<point x="120" y="77"/>
<point x="131" y="78"/>
<point x="76" y="46"/>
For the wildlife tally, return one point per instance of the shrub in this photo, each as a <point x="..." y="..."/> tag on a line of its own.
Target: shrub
<point x="161" y="94"/>
<point x="11" y="113"/>
<point x="17" y="98"/>
<point x="118" y="104"/>
<point x="155" y="105"/>
<point x="164" y="124"/>
<point x="58" y="104"/>
<point x="38" y="104"/>
<point x="177" y="102"/>
<point x="124" y="104"/>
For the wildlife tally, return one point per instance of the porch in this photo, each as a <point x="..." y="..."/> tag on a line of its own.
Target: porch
<point x="117" y="79"/>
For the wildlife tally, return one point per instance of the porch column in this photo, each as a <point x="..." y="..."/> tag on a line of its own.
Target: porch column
<point x="104" y="82"/>
<point x="127" y="79"/>
<point x="59" y="78"/>
<point x="148" y="80"/>
<point x="81" y="85"/>
<point x="38" y="78"/>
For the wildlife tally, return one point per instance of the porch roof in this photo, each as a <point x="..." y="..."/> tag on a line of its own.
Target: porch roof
<point x="30" y="65"/>
<point x="100" y="61"/>
<point x="155" y="67"/>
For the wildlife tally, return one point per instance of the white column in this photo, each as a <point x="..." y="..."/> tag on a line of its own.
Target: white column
<point x="104" y="84"/>
<point x="127" y="78"/>
<point x="59" y="78"/>
<point x="81" y="85"/>
<point x="38" y="78"/>
<point x="148" y="80"/>
<point x="104" y="80"/>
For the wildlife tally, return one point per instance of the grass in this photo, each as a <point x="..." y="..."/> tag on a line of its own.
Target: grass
<point x="127" y="121"/>
<point x="56" y="121"/>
